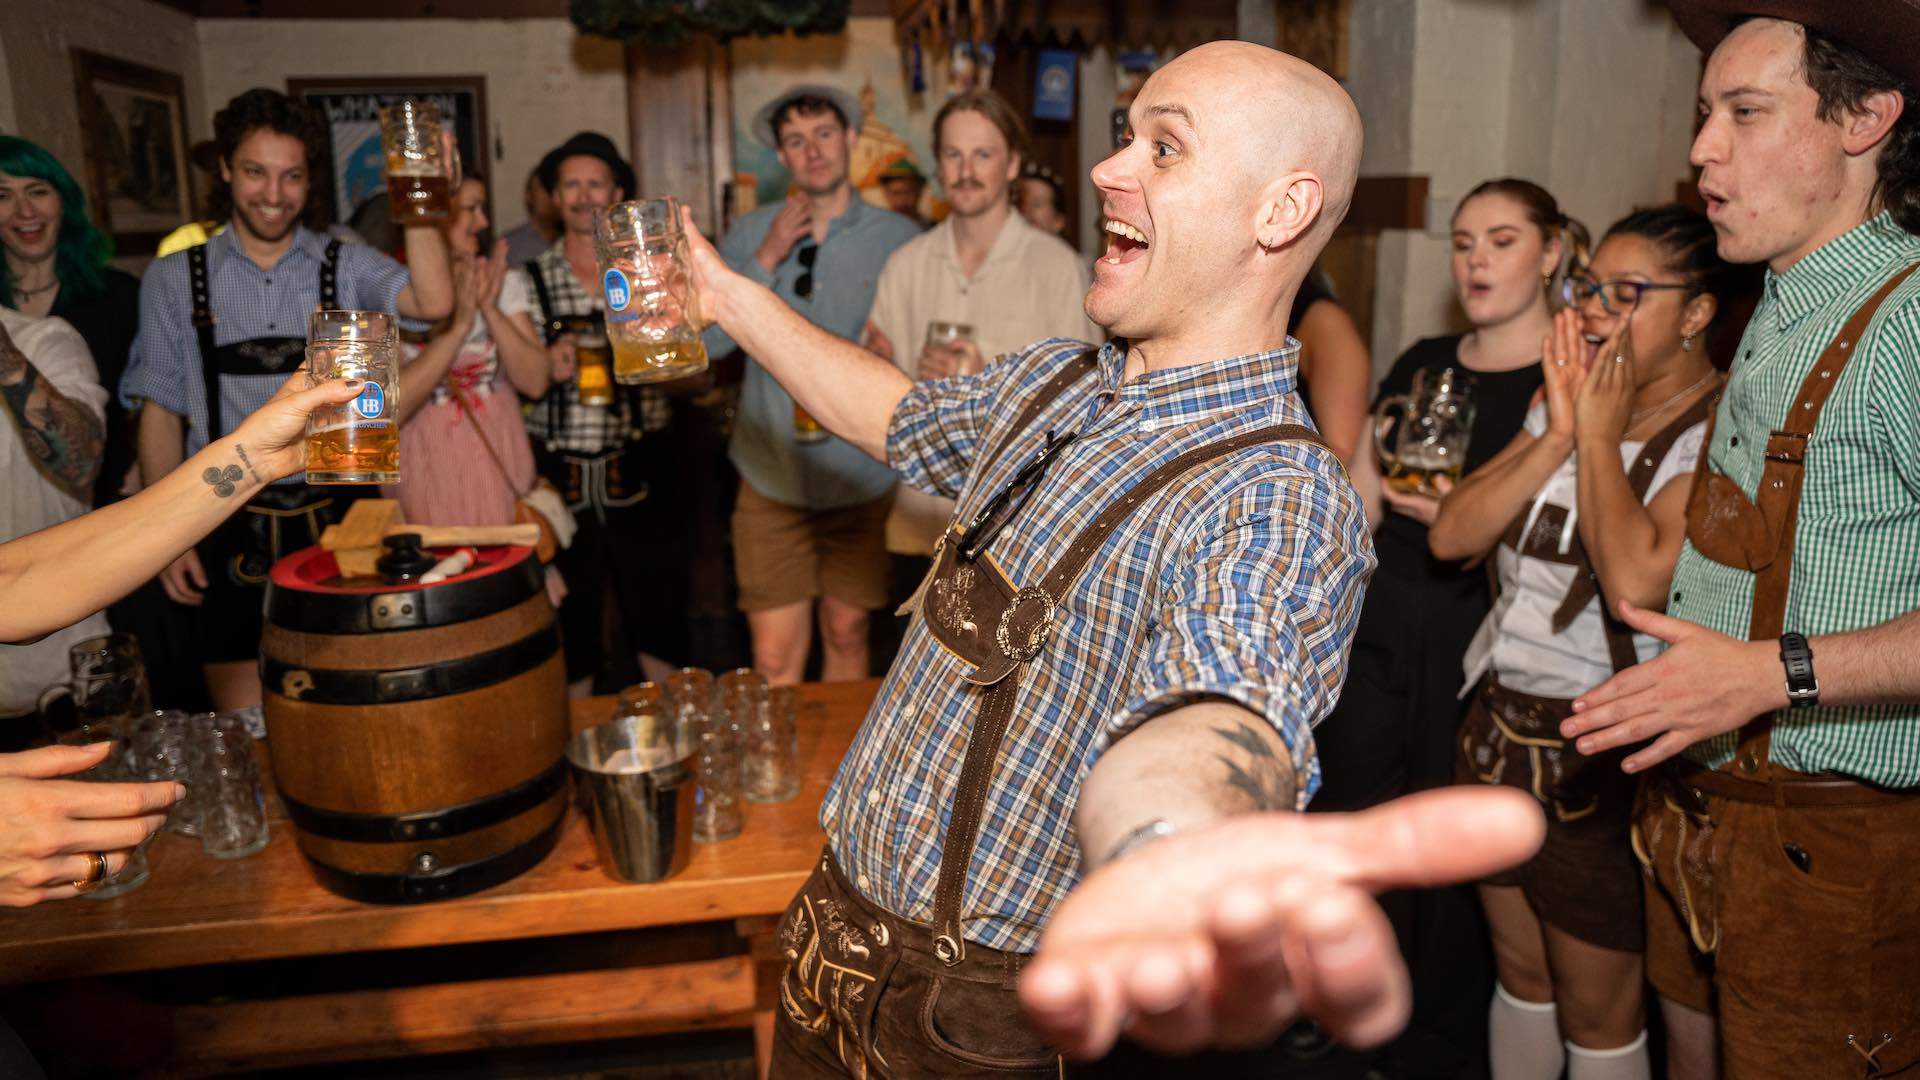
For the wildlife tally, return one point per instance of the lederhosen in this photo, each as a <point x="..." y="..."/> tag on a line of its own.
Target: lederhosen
<point x="612" y="479"/>
<point x="867" y="992"/>
<point x="1674" y="822"/>
<point x="1583" y="880"/>
<point x="281" y="518"/>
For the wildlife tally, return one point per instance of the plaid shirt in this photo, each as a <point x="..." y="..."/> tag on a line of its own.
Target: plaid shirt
<point x="1241" y="580"/>
<point x="559" y="420"/>
<point x="1856" y="549"/>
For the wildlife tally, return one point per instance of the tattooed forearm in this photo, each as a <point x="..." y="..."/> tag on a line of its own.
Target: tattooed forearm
<point x="1254" y="770"/>
<point x="63" y="438"/>
<point x="248" y="462"/>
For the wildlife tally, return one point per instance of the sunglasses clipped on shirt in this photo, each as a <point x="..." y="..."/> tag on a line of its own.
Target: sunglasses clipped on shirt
<point x="803" y="286"/>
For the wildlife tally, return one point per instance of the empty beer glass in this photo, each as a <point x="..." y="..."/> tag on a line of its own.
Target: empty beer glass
<point x="773" y="747"/>
<point x="119" y="767"/>
<point x="717" y="812"/>
<point x="233" y="810"/>
<point x="357" y="442"/>
<point x="593" y="359"/>
<point x="1435" y="429"/>
<point x="644" y="278"/>
<point x="418" y="174"/>
<point x="690" y="697"/>
<point x="161" y="745"/>
<point x="108" y="685"/>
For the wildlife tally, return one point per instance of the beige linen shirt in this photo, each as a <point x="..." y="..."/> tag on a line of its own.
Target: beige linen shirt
<point x="1032" y="286"/>
<point x="29" y="503"/>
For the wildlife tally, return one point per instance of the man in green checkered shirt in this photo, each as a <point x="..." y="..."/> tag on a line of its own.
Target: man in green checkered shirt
<point x="1791" y="862"/>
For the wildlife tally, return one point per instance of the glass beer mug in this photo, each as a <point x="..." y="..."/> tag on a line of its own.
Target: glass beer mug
<point x="357" y="442"/>
<point x="648" y="290"/>
<point x="1436" y="424"/>
<point x="418" y="186"/>
<point x="593" y="366"/>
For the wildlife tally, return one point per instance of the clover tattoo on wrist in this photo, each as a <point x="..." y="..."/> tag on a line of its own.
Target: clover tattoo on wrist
<point x="222" y="480"/>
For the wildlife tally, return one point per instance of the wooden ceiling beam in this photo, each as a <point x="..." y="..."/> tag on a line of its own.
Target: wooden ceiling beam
<point x="371" y="9"/>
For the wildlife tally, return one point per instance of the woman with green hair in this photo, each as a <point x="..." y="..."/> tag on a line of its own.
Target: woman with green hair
<point x="55" y="262"/>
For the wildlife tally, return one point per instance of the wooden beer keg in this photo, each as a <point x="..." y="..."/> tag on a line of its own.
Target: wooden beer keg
<point x="417" y="732"/>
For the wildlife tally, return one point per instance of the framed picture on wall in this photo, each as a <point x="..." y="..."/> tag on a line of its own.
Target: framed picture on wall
<point x="351" y="109"/>
<point x="134" y="130"/>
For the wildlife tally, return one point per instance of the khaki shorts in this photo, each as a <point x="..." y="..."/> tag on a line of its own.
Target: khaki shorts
<point x="784" y="554"/>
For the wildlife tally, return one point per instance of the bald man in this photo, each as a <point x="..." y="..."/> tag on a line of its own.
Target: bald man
<point x="1097" y="735"/>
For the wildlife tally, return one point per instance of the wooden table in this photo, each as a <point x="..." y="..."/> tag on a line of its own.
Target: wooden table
<point x="197" y="910"/>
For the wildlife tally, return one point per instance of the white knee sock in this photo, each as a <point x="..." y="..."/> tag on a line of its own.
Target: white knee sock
<point x="1524" y="1038"/>
<point x="1629" y="1062"/>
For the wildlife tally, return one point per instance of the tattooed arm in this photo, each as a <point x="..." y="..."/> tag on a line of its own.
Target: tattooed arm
<point x="1188" y="768"/>
<point x="64" y="438"/>
<point x="60" y="575"/>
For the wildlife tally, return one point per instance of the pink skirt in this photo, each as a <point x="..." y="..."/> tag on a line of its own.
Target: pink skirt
<point x="447" y="476"/>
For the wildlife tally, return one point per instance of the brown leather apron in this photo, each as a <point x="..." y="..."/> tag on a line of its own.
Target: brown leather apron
<point x="1672" y="832"/>
<point x="975" y="612"/>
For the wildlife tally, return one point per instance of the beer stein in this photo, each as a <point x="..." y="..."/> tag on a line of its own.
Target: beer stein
<point x="648" y="289"/>
<point x="1435" y="426"/>
<point x="773" y="747"/>
<point x="108" y="685"/>
<point x="121" y="766"/>
<point x="232" y="815"/>
<point x="356" y="442"/>
<point x="593" y="360"/>
<point x="418" y="174"/>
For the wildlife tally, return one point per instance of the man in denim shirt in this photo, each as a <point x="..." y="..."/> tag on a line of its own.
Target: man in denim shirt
<point x="811" y="517"/>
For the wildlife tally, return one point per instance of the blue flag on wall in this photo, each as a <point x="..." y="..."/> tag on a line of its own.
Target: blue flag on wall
<point x="1053" y="84"/>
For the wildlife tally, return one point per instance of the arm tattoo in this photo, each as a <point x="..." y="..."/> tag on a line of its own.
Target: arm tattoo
<point x="248" y="462"/>
<point x="63" y="438"/>
<point x="1256" y="771"/>
<point x="222" y="481"/>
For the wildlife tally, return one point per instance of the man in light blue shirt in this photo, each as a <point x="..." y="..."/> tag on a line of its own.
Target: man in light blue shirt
<point x="811" y="516"/>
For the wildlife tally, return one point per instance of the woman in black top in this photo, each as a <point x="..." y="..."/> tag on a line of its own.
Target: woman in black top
<point x="1334" y="365"/>
<point x="1393" y="729"/>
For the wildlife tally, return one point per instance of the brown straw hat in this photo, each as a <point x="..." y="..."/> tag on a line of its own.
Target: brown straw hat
<point x="1884" y="31"/>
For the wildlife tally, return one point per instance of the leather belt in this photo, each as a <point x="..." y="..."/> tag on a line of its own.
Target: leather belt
<point x="1788" y="788"/>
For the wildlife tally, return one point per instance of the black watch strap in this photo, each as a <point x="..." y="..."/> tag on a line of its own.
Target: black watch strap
<point x="1803" y="691"/>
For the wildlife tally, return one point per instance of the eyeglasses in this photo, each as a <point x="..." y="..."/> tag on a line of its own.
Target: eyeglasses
<point x="803" y="288"/>
<point x="1007" y="502"/>
<point x="1616" y="296"/>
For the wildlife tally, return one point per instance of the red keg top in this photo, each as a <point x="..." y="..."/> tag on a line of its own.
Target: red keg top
<point x="314" y="570"/>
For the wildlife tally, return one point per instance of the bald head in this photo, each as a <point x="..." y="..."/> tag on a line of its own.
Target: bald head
<point x="1241" y="165"/>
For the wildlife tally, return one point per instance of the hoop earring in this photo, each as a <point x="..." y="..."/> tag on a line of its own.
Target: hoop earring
<point x="1686" y="342"/>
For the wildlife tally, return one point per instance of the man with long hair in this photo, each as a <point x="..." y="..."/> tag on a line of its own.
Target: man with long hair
<point x="221" y="325"/>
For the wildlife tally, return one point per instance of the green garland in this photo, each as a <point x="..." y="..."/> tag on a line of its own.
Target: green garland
<point x="669" y="22"/>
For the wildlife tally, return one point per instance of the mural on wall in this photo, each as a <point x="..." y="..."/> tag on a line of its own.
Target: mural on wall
<point x="865" y="61"/>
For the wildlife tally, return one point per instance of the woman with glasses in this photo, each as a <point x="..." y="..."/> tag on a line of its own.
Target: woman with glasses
<point x="1399" y="712"/>
<point x="1583" y="510"/>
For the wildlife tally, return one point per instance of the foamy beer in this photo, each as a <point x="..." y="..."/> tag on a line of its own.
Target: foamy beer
<point x="417" y="169"/>
<point x="648" y="290"/>
<point x="358" y="441"/>
<point x="593" y="367"/>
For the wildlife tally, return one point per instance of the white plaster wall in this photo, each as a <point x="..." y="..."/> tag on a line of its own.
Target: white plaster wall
<point x="37" y="71"/>
<point x="545" y="80"/>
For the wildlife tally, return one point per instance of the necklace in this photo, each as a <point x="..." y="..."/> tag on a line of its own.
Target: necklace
<point x="1642" y="414"/>
<point x="54" y="284"/>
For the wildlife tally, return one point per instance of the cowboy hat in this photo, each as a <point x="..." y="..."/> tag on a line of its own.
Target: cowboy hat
<point x="1884" y="31"/>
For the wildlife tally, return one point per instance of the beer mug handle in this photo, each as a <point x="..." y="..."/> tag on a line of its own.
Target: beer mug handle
<point x="1383" y="420"/>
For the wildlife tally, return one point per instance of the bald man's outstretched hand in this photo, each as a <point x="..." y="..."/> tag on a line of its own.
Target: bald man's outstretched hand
<point x="1225" y="935"/>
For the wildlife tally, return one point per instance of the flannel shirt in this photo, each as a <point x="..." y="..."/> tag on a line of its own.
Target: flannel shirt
<point x="558" y="420"/>
<point x="1241" y="580"/>
<point x="1855" y="546"/>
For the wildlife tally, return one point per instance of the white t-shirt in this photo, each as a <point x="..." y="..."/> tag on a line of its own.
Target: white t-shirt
<point x="28" y="503"/>
<point x="1517" y="642"/>
<point x="1032" y="286"/>
<point x="476" y="367"/>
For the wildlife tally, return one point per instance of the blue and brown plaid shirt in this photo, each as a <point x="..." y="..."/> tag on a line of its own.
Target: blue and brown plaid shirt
<point x="1240" y="581"/>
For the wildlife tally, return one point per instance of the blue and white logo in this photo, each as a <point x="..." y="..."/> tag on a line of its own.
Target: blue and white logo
<point x="371" y="402"/>
<point x="615" y="284"/>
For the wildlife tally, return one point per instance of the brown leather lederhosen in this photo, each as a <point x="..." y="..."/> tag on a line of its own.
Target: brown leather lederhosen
<point x="866" y="986"/>
<point x="1672" y="832"/>
<point x="1582" y="881"/>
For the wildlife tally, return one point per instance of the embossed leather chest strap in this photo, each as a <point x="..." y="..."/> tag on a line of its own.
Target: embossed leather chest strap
<point x="1070" y="372"/>
<point x="1021" y="640"/>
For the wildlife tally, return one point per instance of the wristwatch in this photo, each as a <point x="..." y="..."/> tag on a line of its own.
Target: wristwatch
<point x="1803" y="691"/>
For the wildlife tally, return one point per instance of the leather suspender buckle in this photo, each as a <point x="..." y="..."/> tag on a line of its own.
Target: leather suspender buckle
<point x="949" y="949"/>
<point x="1024" y="645"/>
<point x="1787" y="447"/>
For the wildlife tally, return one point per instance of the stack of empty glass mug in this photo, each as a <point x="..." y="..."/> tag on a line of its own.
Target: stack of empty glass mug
<point x="210" y="754"/>
<point x="741" y="735"/>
